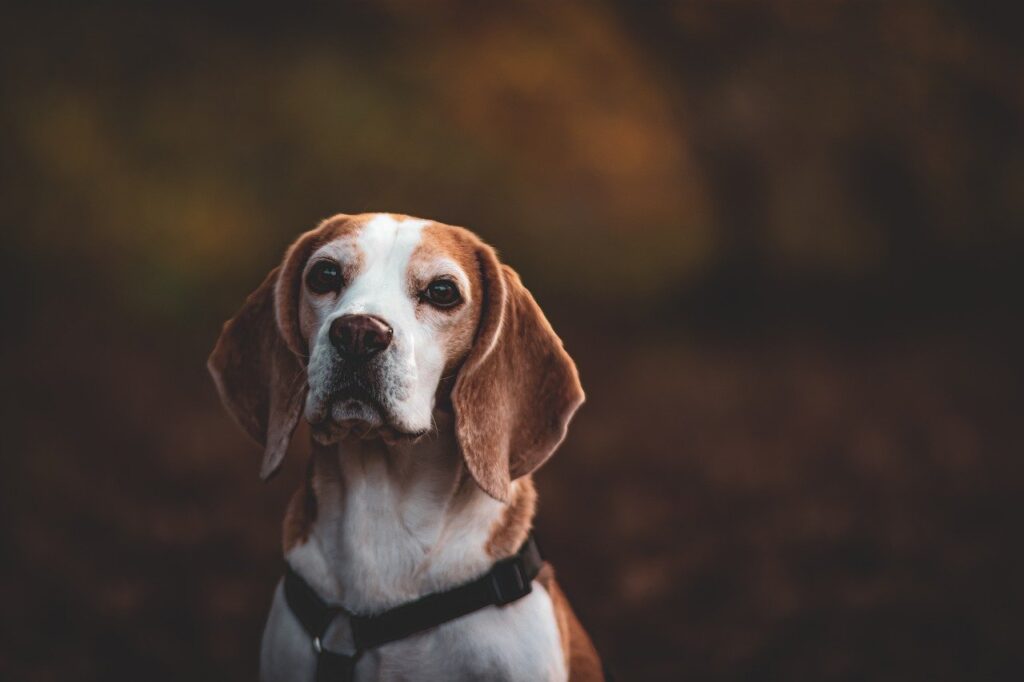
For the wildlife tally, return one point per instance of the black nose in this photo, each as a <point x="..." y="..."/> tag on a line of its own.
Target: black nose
<point x="359" y="337"/>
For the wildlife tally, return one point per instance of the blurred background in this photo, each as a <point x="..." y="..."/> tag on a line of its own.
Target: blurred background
<point x="782" y="240"/>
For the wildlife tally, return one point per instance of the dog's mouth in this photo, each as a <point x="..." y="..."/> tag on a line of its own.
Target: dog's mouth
<point x="357" y="393"/>
<point x="356" y="410"/>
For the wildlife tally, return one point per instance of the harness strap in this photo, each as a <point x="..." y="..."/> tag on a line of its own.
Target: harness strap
<point x="508" y="580"/>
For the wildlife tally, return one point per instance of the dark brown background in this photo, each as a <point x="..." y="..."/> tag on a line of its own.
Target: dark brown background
<point x="782" y="239"/>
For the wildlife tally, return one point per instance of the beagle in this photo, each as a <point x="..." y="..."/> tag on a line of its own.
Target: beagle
<point x="433" y="386"/>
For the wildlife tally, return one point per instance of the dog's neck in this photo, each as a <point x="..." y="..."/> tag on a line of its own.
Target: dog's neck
<point x="379" y="524"/>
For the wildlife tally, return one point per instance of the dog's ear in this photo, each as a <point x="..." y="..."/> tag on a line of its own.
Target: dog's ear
<point x="259" y="363"/>
<point x="517" y="389"/>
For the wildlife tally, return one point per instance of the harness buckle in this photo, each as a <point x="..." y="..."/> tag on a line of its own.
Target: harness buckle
<point x="509" y="582"/>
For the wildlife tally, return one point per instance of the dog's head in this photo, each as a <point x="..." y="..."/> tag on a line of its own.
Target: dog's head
<point x="373" y="322"/>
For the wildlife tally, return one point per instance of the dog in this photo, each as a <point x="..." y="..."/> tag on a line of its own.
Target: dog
<point x="433" y="386"/>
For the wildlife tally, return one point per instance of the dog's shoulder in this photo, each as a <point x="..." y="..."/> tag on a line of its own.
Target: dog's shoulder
<point x="582" y="659"/>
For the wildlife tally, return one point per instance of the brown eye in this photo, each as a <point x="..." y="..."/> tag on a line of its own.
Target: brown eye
<point x="442" y="293"/>
<point x="324" y="277"/>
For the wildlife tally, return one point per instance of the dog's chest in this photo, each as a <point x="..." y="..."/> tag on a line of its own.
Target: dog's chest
<point x="378" y="542"/>
<point x="375" y="545"/>
<point x="519" y="641"/>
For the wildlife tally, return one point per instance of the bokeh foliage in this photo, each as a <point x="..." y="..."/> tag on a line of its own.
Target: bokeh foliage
<point x="614" y="150"/>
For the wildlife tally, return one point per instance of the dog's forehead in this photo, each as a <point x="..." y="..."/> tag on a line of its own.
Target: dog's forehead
<point x="392" y="242"/>
<point x="384" y="239"/>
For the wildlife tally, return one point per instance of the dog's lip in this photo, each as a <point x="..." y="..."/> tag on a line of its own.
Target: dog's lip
<point x="322" y="413"/>
<point x="329" y="429"/>
<point x="326" y="421"/>
<point x="357" y="394"/>
<point x="388" y="429"/>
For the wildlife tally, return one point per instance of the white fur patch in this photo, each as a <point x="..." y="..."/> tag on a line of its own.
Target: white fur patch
<point x="382" y="539"/>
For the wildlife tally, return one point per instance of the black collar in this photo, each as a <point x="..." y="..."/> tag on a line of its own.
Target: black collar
<point x="508" y="580"/>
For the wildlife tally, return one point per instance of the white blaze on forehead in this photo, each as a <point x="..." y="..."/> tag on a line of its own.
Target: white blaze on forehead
<point x="386" y="246"/>
<point x="383" y="237"/>
<point x="414" y="360"/>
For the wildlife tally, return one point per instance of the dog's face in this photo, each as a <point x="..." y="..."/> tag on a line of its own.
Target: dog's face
<point x="388" y="306"/>
<point x="374" y="321"/>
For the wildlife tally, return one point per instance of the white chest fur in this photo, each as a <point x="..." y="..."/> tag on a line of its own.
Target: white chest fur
<point x="392" y="528"/>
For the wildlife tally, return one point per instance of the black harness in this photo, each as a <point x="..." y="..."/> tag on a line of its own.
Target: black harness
<point x="508" y="580"/>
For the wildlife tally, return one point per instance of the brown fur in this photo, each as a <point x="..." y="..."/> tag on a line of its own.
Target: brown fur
<point x="289" y="288"/>
<point x="461" y="246"/>
<point x="510" y="530"/>
<point x="301" y="511"/>
<point x="517" y="390"/>
<point x="582" y="661"/>
<point x="260" y="380"/>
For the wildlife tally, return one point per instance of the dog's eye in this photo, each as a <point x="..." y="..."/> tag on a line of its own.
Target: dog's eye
<point x="442" y="293"/>
<point x="324" y="277"/>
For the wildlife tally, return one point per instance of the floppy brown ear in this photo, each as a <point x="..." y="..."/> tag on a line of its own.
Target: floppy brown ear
<point x="261" y="380"/>
<point x="517" y="389"/>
